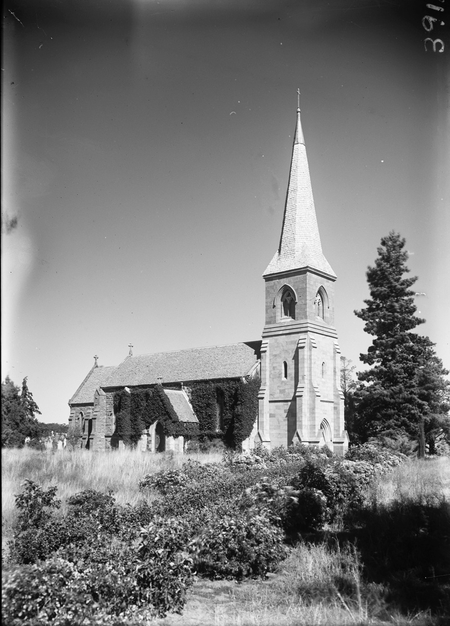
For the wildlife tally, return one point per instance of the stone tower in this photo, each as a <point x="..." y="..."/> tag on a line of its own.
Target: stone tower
<point x="300" y="398"/>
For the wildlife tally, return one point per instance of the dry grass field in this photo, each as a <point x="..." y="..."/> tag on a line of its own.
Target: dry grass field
<point x="118" y="471"/>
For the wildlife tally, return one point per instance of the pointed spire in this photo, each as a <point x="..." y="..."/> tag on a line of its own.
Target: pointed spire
<point x="300" y="244"/>
<point x="298" y="130"/>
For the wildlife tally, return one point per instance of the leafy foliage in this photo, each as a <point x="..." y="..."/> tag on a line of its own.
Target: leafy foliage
<point x="383" y="458"/>
<point x="122" y="411"/>
<point x="405" y="386"/>
<point x="101" y="563"/>
<point x="19" y="411"/>
<point x="226" y="408"/>
<point x="237" y="545"/>
<point x="140" y="408"/>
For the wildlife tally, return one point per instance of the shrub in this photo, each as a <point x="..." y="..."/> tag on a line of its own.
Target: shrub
<point x="89" y="501"/>
<point x="37" y="544"/>
<point x="343" y="483"/>
<point x="37" y="531"/>
<point x="383" y="457"/>
<point x="196" y="487"/>
<point x="165" y="568"/>
<point x="174" y="480"/>
<point x="98" y="506"/>
<point x="108" y="575"/>
<point x="295" y="511"/>
<point x="33" y="504"/>
<point x="237" y="546"/>
<point x="35" y="591"/>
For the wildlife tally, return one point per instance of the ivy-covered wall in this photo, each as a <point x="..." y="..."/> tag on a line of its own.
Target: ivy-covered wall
<point x="140" y="408"/>
<point x="225" y="409"/>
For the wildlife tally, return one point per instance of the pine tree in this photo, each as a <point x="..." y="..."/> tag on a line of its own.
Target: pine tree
<point x="18" y="414"/>
<point x="405" y="386"/>
<point x="29" y="406"/>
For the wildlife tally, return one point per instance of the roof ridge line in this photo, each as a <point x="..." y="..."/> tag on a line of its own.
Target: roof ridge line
<point x="222" y="345"/>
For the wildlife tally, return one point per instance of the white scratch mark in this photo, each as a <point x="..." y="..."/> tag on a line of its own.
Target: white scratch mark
<point x="15" y="16"/>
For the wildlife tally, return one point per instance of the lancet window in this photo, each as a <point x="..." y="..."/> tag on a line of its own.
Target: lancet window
<point x="288" y="304"/>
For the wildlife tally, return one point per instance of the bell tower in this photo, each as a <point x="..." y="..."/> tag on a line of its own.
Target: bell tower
<point x="300" y="399"/>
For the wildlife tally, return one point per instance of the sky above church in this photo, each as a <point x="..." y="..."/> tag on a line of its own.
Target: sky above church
<point x="146" y="151"/>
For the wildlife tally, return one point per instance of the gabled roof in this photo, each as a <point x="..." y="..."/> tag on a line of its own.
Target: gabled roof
<point x="300" y="245"/>
<point x="229" y="361"/>
<point x="95" y="378"/>
<point x="182" y="406"/>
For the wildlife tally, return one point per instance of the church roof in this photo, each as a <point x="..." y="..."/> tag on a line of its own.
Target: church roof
<point x="300" y="244"/>
<point x="96" y="377"/>
<point x="182" y="406"/>
<point x="229" y="361"/>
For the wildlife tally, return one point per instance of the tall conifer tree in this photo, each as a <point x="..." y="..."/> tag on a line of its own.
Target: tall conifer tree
<point x="18" y="414"/>
<point x="404" y="389"/>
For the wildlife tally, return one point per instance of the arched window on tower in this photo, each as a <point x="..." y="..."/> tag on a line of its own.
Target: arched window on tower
<point x="288" y="304"/>
<point x="319" y="304"/>
<point x="285" y="370"/>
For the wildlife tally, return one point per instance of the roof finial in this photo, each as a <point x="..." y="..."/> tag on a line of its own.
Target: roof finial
<point x="298" y="99"/>
<point x="130" y="353"/>
<point x="95" y="361"/>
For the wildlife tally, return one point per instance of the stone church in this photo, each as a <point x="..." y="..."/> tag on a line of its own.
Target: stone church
<point x="297" y="360"/>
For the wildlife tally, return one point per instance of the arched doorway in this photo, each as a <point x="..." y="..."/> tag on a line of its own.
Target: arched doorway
<point x="160" y="438"/>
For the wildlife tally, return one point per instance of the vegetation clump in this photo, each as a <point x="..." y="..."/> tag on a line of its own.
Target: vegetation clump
<point x="89" y="560"/>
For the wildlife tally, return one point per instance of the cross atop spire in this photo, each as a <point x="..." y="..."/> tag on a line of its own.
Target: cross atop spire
<point x="300" y="244"/>
<point x="95" y="361"/>
<point x="130" y="352"/>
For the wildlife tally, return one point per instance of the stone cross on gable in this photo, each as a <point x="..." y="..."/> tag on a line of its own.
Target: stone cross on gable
<point x="95" y="361"/>
<point x="130" y="353"/>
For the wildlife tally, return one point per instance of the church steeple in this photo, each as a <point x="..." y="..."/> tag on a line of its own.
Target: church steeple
<point x="300" y="245"/>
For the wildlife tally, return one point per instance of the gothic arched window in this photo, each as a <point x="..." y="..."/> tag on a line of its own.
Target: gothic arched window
<point x="320" y="303"/>
<point x="288" y="304"/>
<point x="285" y="370"/>
<point x="326" y="438"/>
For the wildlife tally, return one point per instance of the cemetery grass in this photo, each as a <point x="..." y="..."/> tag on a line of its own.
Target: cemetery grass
<point x="321" y="582"/>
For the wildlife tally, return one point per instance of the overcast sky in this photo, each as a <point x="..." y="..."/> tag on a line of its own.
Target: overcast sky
<point x="146" y="150"/>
